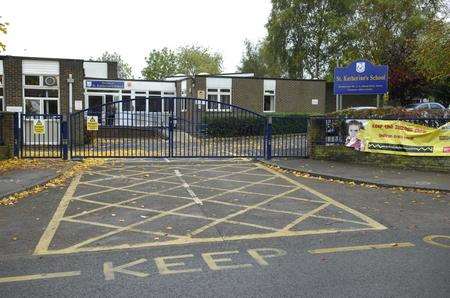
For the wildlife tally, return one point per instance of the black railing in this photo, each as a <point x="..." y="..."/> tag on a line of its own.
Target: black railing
<point x="334" y="130"/>
<point x="1" y="130"/>
<point x="41" y="136"/>
<point x="289" y="136"/>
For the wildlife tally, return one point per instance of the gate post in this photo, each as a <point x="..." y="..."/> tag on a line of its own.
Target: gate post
<point x="17" y="134"/>
<point x="268" y="137"/>
<point x="64" y="139"/>
<point x="171" y="135"/>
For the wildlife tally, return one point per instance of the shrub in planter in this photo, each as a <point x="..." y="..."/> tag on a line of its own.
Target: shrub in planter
<point x="233" y="126"/>
<point x="226" y="126"/>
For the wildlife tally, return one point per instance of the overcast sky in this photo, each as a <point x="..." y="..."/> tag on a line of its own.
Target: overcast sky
<point x="84" y="29"/>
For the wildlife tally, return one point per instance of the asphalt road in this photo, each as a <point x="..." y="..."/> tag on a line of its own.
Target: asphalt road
<point x="222" y="229"/>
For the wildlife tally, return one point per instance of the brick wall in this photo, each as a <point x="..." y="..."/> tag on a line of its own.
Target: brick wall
<point x="7" y="119"/>
<point x="296" y="96"/>
<point x="112" y="70"/>
<point x="74" y="67"/>
<point x="248" y="93"/>
<point x="12" y="69"/>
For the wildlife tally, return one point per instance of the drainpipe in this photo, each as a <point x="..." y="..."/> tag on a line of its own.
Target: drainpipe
<point x="70" y="80"/>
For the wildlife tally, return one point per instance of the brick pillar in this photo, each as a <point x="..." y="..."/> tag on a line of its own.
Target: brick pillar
<point x="316" y="133"/>
<point x="8" y="131"/>
<point x="13" y="81"/>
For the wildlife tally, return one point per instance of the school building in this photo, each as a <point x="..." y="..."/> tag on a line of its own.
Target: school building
<point x="34" y="85"/>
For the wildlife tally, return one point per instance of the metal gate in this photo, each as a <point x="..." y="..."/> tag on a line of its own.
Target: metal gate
<point x="162" y="127"/>
<point x="41" y="136"/>
<point x="169" y="127"/>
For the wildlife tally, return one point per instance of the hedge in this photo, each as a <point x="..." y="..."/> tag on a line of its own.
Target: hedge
<point x="251" y="125"/>
<point x="389" y="113"/>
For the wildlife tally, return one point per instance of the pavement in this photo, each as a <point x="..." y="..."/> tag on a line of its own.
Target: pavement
<point x="387" y="177"/>
<point x="222" y="228"/>
<point x="22" y="179"/>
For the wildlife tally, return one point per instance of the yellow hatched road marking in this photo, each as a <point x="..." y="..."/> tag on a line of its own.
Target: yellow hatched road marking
<point x="39" y="276"/>
<point x="43" y="245"/>
<point x="360" y="247"/>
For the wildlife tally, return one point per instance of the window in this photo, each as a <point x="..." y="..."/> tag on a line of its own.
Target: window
<point x="269" y="103"/>
<point x="269" y="95"/>
<point x="126" y="103"/>
<point x="32" y="80"/>
<point x="140" y="103"/>
<point x="183" y="101"/>
<point x="217" y="97"/>
<point x="154" y="101"/>
<point x="41" y="94"/>
<point x="436" y="106"/>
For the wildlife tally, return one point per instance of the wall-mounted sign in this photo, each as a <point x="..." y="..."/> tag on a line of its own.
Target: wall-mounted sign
<point x="92" y="122"/>
<point x="38" y="127"/>
<point x="105" y="84"/>
<point x="361" y="77"/>
<point x="314" y="102"/>
<point x="78" y="105"/>
<point x="201" y="94"/>
<point x="14" y="109"/>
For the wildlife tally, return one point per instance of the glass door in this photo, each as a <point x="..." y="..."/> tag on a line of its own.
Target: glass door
<point x="95" y="106"/>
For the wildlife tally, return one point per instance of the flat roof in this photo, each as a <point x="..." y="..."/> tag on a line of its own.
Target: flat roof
<point x="131" y="80"/>
<point x="50" y="58"/>
<point x="257" y="78"/>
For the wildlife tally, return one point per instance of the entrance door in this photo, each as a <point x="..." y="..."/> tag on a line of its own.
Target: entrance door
<point x="95" y="106"/>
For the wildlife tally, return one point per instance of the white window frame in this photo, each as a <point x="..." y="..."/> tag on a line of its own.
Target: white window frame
<point x="183" y="104"/>
<point x="40" y="87"/>
<point x="272" y="94"/>
<point x="219" y="93"/>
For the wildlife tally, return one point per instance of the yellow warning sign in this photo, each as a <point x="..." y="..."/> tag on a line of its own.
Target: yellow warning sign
<point x="92" y="123"/>
<point x="38" y="127"/>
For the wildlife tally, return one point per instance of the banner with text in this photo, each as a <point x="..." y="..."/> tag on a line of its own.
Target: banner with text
<point x="398" y="137"/>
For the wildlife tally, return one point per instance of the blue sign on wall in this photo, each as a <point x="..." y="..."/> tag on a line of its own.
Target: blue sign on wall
<point x="361" y="77"/>
<point x="105" y="84"/>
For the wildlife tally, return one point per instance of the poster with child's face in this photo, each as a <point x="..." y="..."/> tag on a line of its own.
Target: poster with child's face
<point x="352" y="140"/>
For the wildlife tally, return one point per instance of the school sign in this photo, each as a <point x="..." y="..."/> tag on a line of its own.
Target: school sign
<point x="361" y="77"/>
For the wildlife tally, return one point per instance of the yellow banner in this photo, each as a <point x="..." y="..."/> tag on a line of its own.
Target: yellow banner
<point x="399" y="137"/>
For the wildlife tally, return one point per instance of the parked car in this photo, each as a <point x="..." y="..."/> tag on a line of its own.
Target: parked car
<point x="425" y="106"/>
<point x="363" y="108"/>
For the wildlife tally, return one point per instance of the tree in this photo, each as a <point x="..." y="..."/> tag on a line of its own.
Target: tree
<point x="385" y="32"/>
<point x="304" y="35"/>
<point x="124" y="69"/>
<point x="305" y="38"/>
<point x="188" y="60"/>
<point x="257" y="61"/>
<point x="160" y="64"/>
<point x="192" y="60"/>
<point x="431" y="53"/>
<point x="3" y="30"/>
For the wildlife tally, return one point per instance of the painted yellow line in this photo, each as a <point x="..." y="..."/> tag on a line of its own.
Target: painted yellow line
<point x="430" y="239"/>
<point x="201" y="240"/>
<point x="49" y="233"/>
<point x="375" y="225"/>
<point x="39" y="276"/>
<point x="360" y="247"/>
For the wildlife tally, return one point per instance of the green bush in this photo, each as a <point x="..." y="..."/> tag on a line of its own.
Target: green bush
<point x="251" y="125"/>
<point x="233" y="126"/>
<point x="389" y="113"/>
<point x="289" y="123"/>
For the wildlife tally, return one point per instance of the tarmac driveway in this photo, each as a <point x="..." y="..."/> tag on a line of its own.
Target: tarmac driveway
<point x="140" y="204"/>
<point x="222" y="228"/>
